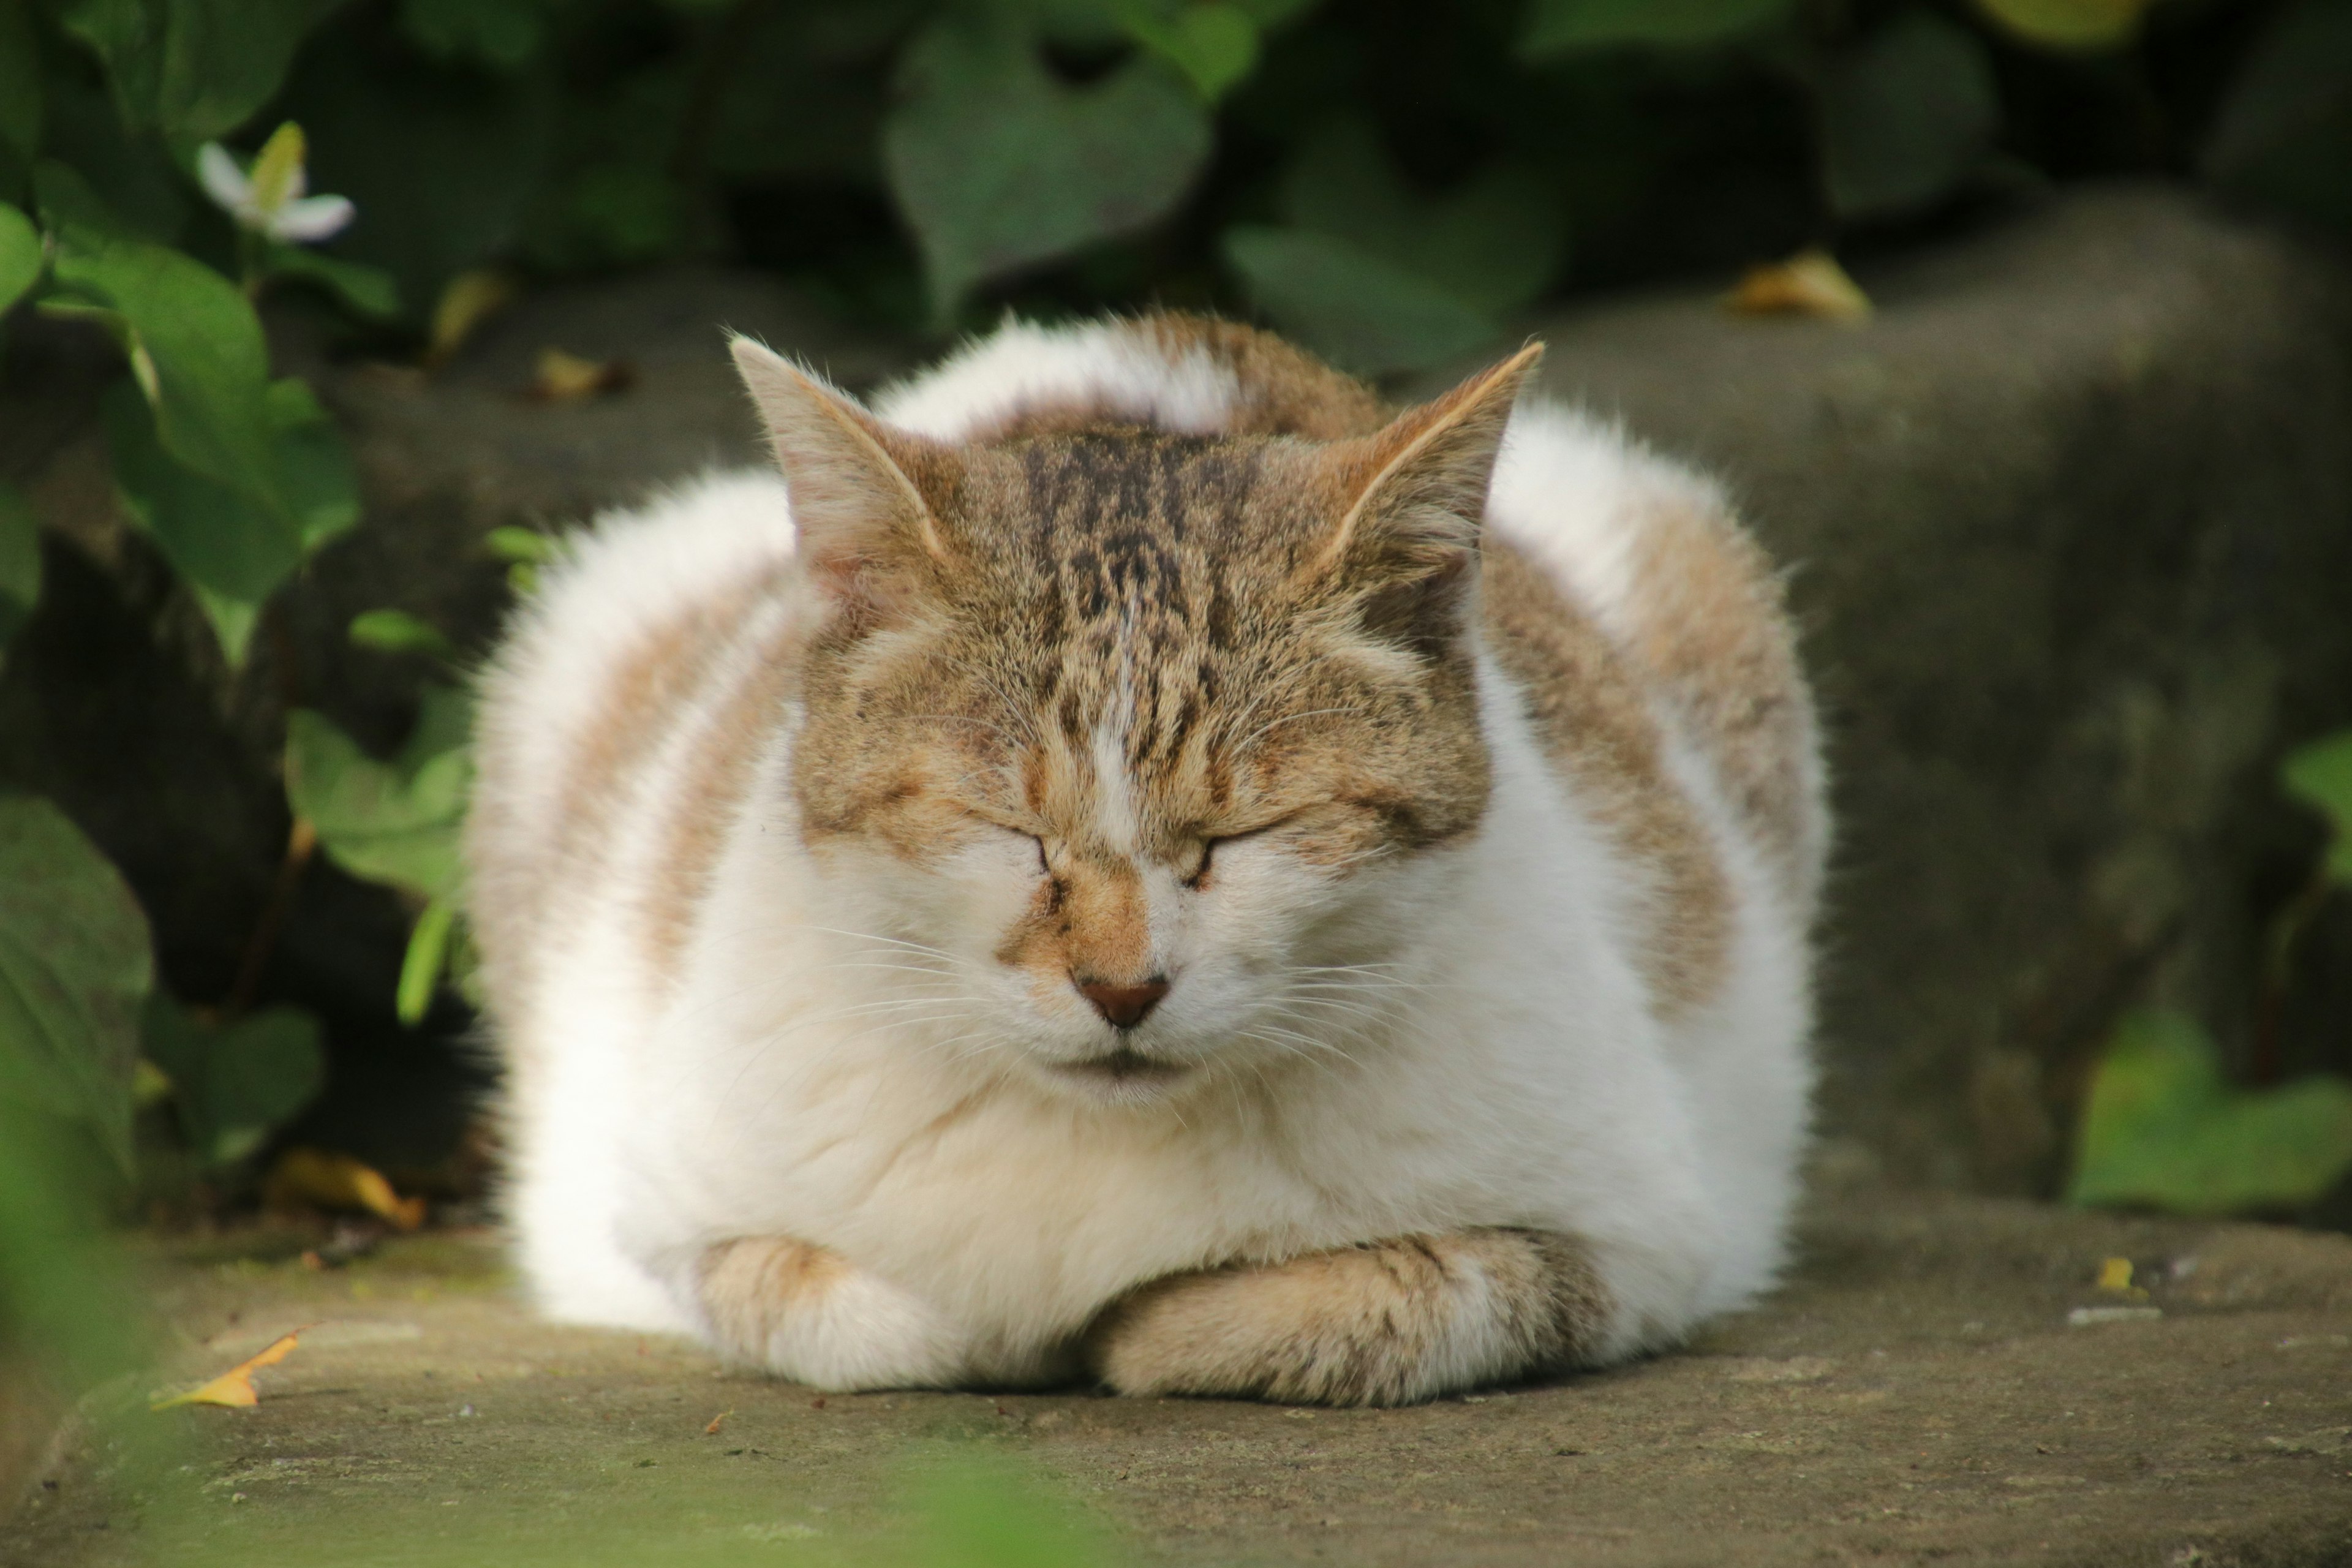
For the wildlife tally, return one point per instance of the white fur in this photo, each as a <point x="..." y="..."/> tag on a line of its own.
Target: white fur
<point x="1506" y="1070"/>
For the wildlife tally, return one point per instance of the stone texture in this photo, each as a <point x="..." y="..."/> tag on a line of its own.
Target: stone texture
<point x="2069" y="526"/>
<point x="1916" y="1393"/>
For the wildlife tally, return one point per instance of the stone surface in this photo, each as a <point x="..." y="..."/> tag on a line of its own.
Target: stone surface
<point x="2069" y="527"/>
<point x="1916" y="1393"/>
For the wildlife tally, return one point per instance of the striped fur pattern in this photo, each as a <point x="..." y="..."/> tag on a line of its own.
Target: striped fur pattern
<point x="1130" y="857"/>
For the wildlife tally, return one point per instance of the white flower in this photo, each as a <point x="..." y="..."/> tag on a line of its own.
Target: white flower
<point x="269" y="200"/>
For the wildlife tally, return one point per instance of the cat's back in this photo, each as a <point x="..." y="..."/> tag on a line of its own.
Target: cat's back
<point x="646" y="662"/>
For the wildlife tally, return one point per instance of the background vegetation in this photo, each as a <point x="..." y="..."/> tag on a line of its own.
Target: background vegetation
<point x="1389" y="181"/>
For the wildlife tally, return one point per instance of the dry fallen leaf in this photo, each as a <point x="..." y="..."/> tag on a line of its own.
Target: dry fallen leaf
<point x="469" y="300"/>
<point x="1810" y="283"/>
<point x="2115" y="1274"/>
<point x="568" y="378"/>
<point x="712" y="1430"/>
<point x="235" y="1386"/>
<point x="329" y="1181"/>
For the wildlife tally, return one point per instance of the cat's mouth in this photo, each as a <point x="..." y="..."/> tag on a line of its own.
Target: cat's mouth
<point x="1123" y="1068"/>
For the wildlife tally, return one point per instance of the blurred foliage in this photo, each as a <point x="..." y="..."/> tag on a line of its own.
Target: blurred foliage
<point x="1392" y="183"/>
<point x="2163" y="1127"/>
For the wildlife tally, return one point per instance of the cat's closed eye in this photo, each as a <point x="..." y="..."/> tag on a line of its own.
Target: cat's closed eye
<point x="1198" y="877"/>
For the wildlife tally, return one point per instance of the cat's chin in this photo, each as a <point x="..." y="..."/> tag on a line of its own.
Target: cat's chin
<point x="1121" y="1077"/>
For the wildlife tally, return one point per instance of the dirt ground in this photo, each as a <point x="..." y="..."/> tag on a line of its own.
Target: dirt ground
<point x="1941" y="1380"/>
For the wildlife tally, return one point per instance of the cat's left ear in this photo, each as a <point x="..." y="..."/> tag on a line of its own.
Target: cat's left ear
<point x="1414" y="495"/>
<point x="868" y="527"/>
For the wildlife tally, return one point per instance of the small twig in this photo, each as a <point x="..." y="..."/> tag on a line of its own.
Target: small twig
<point x="301" y="842"/>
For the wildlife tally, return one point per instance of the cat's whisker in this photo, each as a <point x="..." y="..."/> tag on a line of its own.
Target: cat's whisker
<point x="1384" y="1018"/>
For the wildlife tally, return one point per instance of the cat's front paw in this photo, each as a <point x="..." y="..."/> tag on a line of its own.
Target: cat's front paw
<point x="1387" y="1322"/>
<point x="809" y="1314"/>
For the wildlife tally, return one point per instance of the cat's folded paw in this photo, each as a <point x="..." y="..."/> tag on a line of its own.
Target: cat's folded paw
<point x="1387" y="1322"/>
<point x="809" y="1314"/>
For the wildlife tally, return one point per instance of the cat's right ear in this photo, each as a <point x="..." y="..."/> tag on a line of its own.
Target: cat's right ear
<point x="858" y="486"/>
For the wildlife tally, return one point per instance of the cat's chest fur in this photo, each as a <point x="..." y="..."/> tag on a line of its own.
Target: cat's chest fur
<point x="756" y="974"/>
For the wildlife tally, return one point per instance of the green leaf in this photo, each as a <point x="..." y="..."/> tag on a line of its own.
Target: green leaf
<point x="393" y="822"/>
<point x="22" y="97"/>
<point x="998" y="165"/>
<point x="1906" y="114"/>
<point x="231" y="552"/>
<point x="501" y="34"/>
<point x="198" y="348"/>
<point x="1214" y="44"/>
<point x="370" y="290"/>
<point x="2069" y="23"/>
<point x="2284" y="134"/>
<point x="397" y="631"/>
<point x="314" y="463"/>
<point x="1494" y="242"/>
<point x="2320" y="775"/>
<point x="21" y="258"/>
<point x="1360" y="311"/>
<point x="194" y="70"/>
<point x="75" y="963"/>
<point x="2163" y="1129"/>
<point x="421" y="965"/>
<point x="1559" y="27"/>
<point x="522" y="546"/>
<point x="20" y="561"/>
<point x="233" y="1087"/>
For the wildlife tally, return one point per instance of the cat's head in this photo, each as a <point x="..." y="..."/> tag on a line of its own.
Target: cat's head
<point x="1138" y="750"/>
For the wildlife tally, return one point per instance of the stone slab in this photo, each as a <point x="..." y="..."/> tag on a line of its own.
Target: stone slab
<point x="1916" y="1393"/>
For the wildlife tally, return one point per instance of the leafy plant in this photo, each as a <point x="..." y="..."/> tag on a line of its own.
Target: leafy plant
<point x="393" y="822"/>
<point x="234" y="1084"/>
<point x="2163" y="1129"/>
<point x="75" y="969"/>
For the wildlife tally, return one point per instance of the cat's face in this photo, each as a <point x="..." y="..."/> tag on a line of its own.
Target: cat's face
<point x="1138" y="751"/>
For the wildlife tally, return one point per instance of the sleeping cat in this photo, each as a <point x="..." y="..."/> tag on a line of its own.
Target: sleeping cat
<point x="1133" y="859"/>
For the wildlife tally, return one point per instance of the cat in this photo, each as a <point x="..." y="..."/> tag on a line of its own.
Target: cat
<point x="1132" y="859"/>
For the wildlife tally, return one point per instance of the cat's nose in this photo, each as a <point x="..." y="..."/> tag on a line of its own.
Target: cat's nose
<point x="1123" y="1006"/>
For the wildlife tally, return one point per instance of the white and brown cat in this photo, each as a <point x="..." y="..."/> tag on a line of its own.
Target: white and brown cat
<point x="1132" y="859"/>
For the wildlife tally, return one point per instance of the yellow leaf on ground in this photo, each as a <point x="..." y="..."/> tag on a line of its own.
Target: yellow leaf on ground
<point x="2115" y="1274"/>
<point x="330" y="1181"/>
<point x="235" y="1386"/>
<point x="467" y="301"/>
<point x="1810" y="283"/>
<point x="568" y="378"/>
